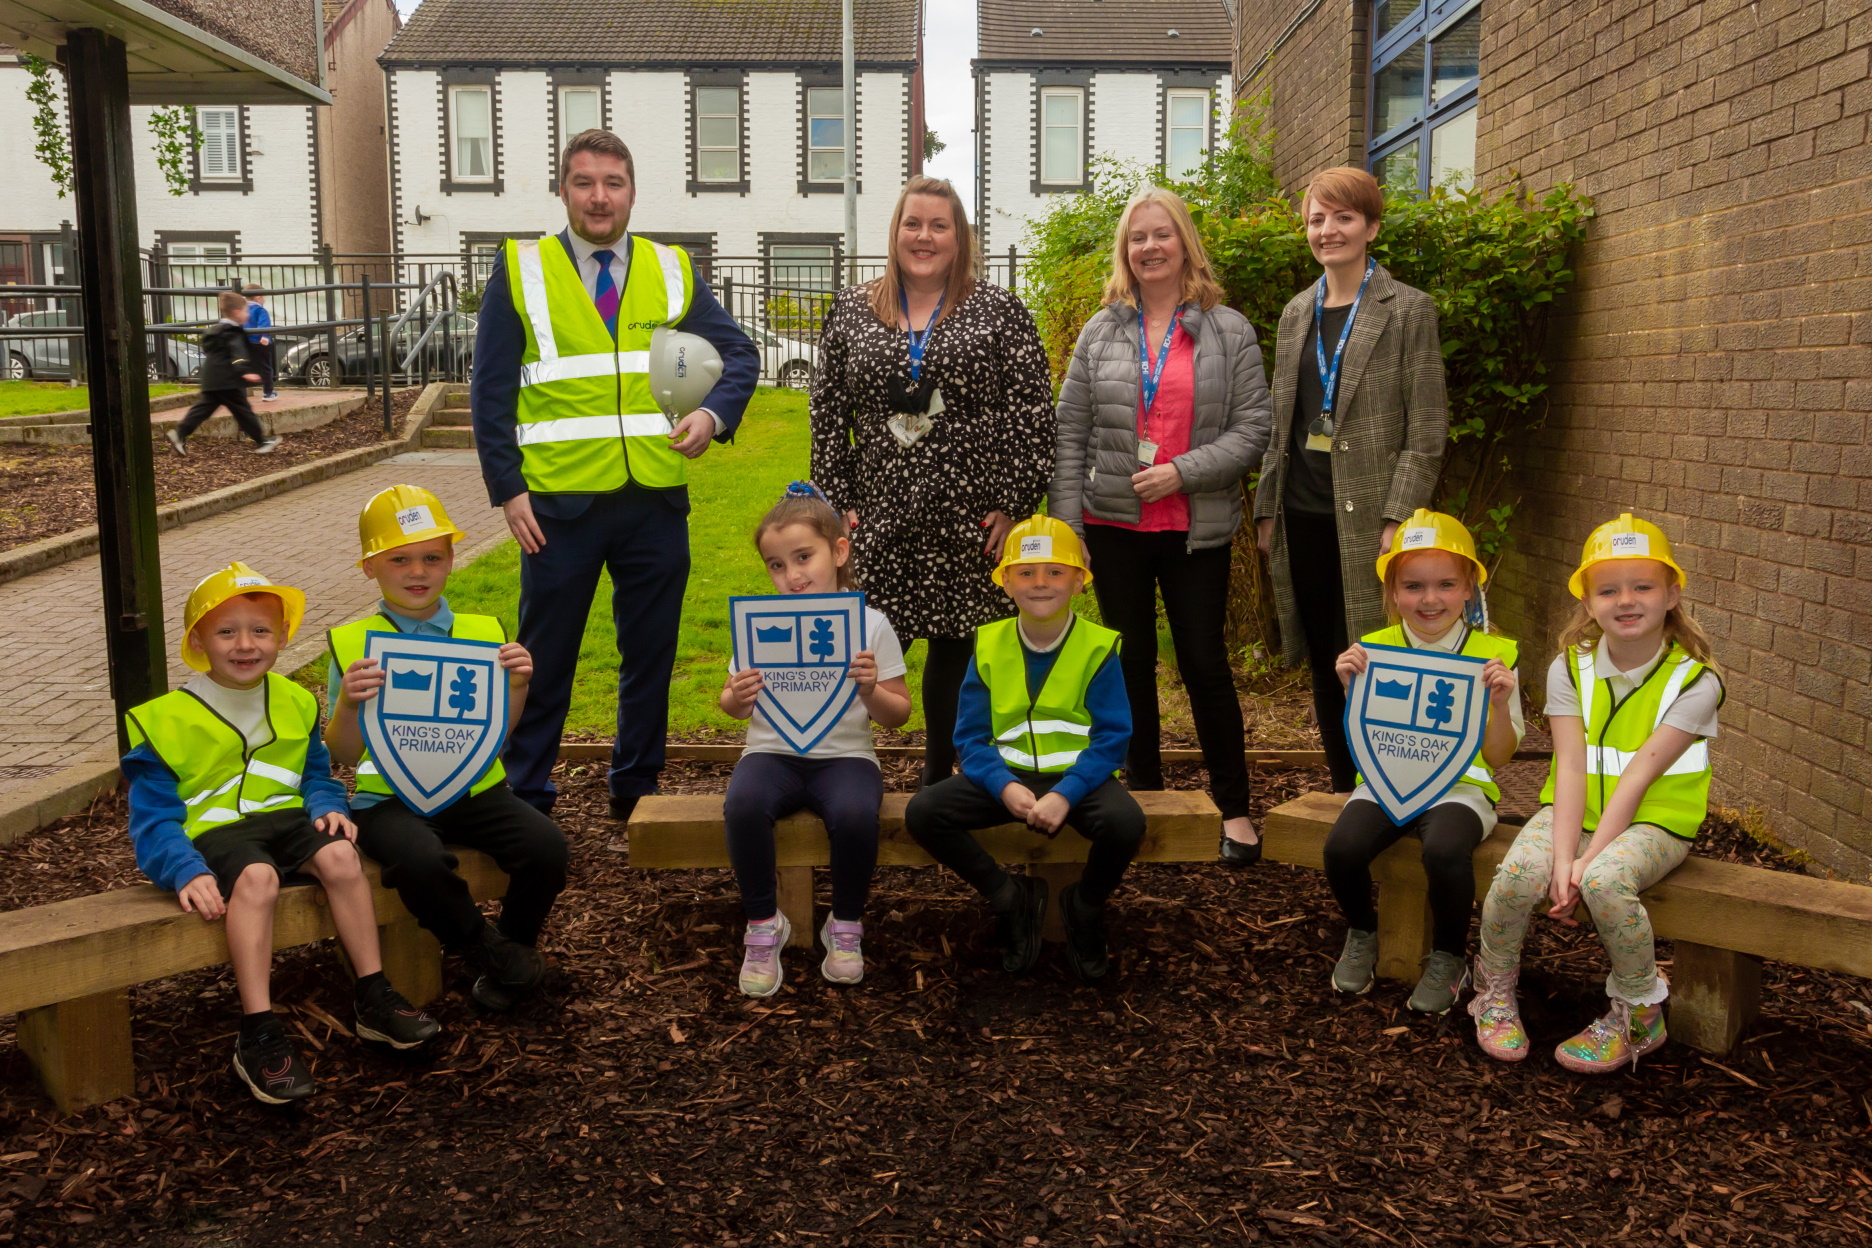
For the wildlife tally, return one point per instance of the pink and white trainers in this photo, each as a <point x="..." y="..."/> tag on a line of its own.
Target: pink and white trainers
<point x="1498" y="1015"/>
<point x="844" y="958"/>
<point x="761" y="972"/>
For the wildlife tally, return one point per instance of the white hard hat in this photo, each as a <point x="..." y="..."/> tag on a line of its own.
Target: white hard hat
<point x="683" y="369"/>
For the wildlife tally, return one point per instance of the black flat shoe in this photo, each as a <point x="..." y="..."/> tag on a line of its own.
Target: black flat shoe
<point x="621" y="807"/>
<point x="1018" y="928"/>
<point x="1238" y="853"/>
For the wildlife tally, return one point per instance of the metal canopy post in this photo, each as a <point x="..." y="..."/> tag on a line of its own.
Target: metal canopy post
<point x="104" y="181"/>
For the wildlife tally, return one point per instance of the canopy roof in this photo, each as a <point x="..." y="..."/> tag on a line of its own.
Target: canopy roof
<point x="190" y="51"/>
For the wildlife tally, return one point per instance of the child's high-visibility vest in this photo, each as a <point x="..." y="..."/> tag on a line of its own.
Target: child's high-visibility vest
<point x="1043" y="732"/>
<point x="219" y="781"/>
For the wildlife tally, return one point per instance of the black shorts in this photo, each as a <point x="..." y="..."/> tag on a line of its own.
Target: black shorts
<point x="282" y="839"/>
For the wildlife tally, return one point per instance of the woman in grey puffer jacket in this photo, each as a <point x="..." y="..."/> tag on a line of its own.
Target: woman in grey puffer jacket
<point x="1148" y="466"/>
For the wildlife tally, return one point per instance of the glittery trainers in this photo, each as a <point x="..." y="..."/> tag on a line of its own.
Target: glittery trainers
<point x="1624" y="1034"/>
<point x="1498" y="1015"/>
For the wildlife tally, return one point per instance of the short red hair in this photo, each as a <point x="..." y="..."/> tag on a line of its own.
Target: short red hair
<point x="1346" y="187"/>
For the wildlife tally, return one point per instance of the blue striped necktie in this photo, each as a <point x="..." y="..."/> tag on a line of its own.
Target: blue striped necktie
<point x="605" y="294"/>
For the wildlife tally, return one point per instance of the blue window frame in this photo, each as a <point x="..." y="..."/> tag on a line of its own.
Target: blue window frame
<point x="1425" y="71"/>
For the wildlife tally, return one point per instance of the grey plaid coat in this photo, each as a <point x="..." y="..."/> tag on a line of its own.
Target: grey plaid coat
<point x="1393" y="424"/>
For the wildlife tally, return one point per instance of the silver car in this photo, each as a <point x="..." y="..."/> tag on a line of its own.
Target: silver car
<point x="172" y="357"/>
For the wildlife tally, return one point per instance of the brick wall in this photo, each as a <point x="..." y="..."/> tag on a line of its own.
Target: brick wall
<point x="1318" y="77"/>
<point x="1713" y="367"/>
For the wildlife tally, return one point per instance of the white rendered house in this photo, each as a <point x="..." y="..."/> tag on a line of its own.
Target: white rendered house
<point x="1061" y="82"/>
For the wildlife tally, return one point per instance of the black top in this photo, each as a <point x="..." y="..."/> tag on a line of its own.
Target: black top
<point x="1309" y="473"/>
<point x="224" y="357"/>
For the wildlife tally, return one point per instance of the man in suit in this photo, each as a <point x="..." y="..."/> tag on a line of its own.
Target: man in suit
<point x="588" y="470"/>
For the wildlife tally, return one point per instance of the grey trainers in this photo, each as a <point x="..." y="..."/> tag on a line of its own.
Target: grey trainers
<point x="1353" y="972"/>
<point x="1444" y="977"/>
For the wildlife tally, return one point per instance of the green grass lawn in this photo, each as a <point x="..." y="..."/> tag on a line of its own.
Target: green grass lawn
<point x="732" y="488"/>
<point x="32" y="398"/>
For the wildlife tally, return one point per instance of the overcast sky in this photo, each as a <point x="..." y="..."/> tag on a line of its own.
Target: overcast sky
<point x="948" y="92"/>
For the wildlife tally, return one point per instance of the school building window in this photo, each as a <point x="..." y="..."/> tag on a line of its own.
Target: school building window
<point x="1186" y="132"/>
<point x="580" y="109"/>
<point x="220" y="152"/>
<point x="825" y="134"/>
<point x="471" y="122"/>
<point x="718" y="135"/>
<point x="1062" y="136"/>
<point x="1425" y="71"/>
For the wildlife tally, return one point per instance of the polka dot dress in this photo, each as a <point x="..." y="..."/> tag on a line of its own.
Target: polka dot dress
<point x="919" y="543"/>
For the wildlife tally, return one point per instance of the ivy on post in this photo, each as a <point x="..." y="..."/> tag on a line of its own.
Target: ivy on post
<point x="177" y="138"/>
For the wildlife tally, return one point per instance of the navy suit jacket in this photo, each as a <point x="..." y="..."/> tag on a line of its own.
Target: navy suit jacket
<point x="494" y="394"/>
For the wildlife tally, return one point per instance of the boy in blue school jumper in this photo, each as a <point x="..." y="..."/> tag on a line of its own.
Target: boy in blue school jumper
<point x="1041" y="730"/>
<point x="260" y="343"/>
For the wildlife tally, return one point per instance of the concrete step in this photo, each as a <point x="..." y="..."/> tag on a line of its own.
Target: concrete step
<point x="448" y="438"/>
<point x="456" y="399"/>
<point x="454" y="416"/>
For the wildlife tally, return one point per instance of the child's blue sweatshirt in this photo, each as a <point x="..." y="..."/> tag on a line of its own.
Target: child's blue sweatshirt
<point x="258" y="318"/>
<point x="164" y="851"/>
<point x="1103" y="754"/>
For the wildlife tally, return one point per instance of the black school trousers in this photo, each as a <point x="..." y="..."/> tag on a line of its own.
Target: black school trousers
<point x="1129" y="568"/>
<point x="235" y="400"/>
<point x="413" y="850"/>
<point x="942" y="817"/>
<point x="1319" y="598"/>
<point x="844" y="792"/>
<point x="1450" y="833"/>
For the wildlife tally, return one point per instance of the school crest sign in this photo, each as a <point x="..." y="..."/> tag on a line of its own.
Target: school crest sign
<point x="1414" y="720"/>
<point x="440" y="719"/>
<point x="803" y="645"/>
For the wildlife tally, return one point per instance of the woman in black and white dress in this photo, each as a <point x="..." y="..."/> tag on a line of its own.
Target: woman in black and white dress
<point x="932" y="431"/>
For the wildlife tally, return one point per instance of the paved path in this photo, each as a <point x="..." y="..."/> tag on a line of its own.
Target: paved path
<point x="55" y="706"/>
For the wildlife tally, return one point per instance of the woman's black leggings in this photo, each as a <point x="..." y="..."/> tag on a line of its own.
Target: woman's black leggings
<point x="1319" y="598"/>
<point x="944" y="668"/>
<point x="1450" y="834"/>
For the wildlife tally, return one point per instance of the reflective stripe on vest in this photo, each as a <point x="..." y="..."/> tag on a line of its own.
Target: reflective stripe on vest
<point x="1044" y="732"/>
<point x="1477" y="645"/>
<point x="225" y="783"/>
<point x="346" y="644"/>
<point x="1616" y="734"/>
<point x="586" y="420"/>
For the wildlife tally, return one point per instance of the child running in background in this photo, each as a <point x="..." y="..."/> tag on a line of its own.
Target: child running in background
<point x="1433" y="596"/>
<point x="1632" y="700"/>
<point x="230" y="791"/>
<point x="226" y="369"/>
<point x="802" y="541"/>
<point x="1042" y="727"/>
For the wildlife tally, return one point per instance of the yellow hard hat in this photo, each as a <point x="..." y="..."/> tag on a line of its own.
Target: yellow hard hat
<point x="230" y="582"/>
<point x="400" y="515"/>
<point x="1627" y="537"/>
<point x="1432" y="530"/>
<point x="1042" y="539"/>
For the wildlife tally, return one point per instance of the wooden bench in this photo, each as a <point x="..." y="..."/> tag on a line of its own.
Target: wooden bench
<point x="1724" y="918"/>
<point x="674" y="833"/>
<point x="66" y="968"/>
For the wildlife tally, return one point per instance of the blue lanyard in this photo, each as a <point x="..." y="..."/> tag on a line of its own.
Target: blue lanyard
<point x="1329" y="376"/>
<point x="1150" y="378"/>
<point x="918" y="341"/>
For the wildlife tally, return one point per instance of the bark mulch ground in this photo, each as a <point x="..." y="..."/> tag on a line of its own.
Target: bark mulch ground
<point x="49" y="490"/>
<point x="1213" y="1091"/>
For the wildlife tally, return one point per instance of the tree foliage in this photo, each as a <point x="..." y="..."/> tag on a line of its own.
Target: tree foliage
<point x="177" y="136"/>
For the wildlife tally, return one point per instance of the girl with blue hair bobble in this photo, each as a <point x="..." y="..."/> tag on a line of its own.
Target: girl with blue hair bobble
<point x="1433" y="597"/>
<point x="803" y="544"/>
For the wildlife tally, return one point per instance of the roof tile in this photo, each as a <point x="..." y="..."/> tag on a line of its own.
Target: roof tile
<point x="1104" y="32"/>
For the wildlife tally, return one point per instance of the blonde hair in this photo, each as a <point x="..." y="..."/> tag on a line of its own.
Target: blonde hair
<point x="231" y="304"/>
<point x="887" y="290"/>
<point x="1200" y="286"/>
<point x="1395" y="570"/>
<point x="1582" y="632"/>
<point x="816" y="514"/>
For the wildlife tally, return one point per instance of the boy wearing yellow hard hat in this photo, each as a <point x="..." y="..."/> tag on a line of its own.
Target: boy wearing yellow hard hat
<point x="1041" y="730"/>
<point x="1433" y="596"/>
<point x="408" y="547"/>
<point x="230" y="790"/>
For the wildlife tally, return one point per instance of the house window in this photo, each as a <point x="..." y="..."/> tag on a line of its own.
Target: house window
<point x="471" y="122"/>
<point x="825" y="134"/>
<point x="802" y="278"/>
<point x="718" y="135"/>
<point x="220" y="153"/>
<point x="1062" y="136"/>
<point x="201" y="253"/>
<point x="580" y="109"/>
<point x="1426" y="69"/>
<point x="1186" y="137"/>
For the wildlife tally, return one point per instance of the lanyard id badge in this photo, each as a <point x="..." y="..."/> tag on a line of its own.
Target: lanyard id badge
<point x="1149" y="379"/>
<point x="910" y="427"/>
<point x="1320" y="431"/>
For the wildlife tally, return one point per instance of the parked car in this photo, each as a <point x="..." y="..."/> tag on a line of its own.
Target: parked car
<point x="172" y="357"/>
<point x="784" y="362"/>
<point x="310" y="361"/>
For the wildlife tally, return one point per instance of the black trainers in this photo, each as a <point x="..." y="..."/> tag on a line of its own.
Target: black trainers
<point x="383" y="1015"/>
<point x="1018" y="927"/>
<point x="620" y="808"/>
<point x="508" y="970"/>
<point x="266" y="1063"/>
<point x="1085" y="935"/>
